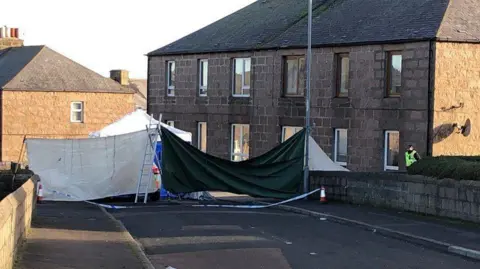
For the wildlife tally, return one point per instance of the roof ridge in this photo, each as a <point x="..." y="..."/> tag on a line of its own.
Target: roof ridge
<point x="25" y="66"/>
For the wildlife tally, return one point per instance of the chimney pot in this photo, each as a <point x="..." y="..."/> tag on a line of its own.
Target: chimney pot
<point x="10" y="37"/>
<point x="120" y="76"/>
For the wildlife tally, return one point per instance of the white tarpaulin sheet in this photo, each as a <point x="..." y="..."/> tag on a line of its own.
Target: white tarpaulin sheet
<point x="88" y="169"/>
<point x="318" y="160"/>
<point x="137" y="121"/>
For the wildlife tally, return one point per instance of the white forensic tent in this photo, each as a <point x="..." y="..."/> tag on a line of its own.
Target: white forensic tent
<point x="137" y="121"/>
<point x="318" y="160"/>
<point x="88" y="169"/>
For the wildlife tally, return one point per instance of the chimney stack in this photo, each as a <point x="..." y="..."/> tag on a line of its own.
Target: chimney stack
<point x="10" y="37"/>
<point x="120" y="76"/>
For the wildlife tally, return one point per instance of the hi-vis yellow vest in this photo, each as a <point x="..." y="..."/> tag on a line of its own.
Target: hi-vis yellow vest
<point x="410" y="158"/>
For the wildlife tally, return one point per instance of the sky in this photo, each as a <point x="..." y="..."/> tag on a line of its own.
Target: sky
<point x="111" y="34"/>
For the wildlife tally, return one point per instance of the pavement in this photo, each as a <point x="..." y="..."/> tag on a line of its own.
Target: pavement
<point x="76" y="235"/>
<point x="185" y="236"/>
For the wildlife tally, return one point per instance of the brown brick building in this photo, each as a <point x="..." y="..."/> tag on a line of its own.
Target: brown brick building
<point x="46" y="95"/>
<point x="385" y="74"/>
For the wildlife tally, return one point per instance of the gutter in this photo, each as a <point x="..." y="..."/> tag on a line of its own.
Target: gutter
<point x="340" y="44"/>
<point x="324" y="45"/>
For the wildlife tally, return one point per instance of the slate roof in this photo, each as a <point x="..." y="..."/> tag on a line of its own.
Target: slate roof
<point x="273" y="24"/>
<point x="39" y="68"/>
<point x="245" y="29"/>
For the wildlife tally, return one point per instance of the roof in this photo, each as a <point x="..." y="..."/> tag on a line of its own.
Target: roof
<point x="245" y="29"/>
<point x="273" y="24"/>
<point x="39" y="68"/>
<point x="140" y="88"/>
<point x="461" y="21"/>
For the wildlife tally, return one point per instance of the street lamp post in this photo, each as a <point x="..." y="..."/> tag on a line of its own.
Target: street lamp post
<point x="307" y="100"/>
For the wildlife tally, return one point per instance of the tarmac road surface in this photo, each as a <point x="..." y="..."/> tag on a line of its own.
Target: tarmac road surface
<point x="186" y="237"/>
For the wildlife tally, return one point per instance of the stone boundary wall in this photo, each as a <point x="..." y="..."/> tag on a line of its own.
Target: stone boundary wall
<point x="446" y="197"/>
<point x="15" y="219"/>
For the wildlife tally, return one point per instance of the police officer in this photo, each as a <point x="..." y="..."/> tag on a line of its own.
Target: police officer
<point x="411" y="156"/>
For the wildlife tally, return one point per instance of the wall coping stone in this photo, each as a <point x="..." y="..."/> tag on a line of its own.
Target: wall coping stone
<point x="446" y="182"/>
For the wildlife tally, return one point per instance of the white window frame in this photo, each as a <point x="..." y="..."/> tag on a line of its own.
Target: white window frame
<point x="199" y="135"/>
<point x="171" y="123"/>
<point x="170" y="88"/>
<point x="295" y="128"/>
<point x="200" y="76"/>
<point x="335" y="147"/>
<point x="73" y="110"/>
<point x="232" y="141"/>
<point x="385" y="151"/>
<point x="244" y="87"/>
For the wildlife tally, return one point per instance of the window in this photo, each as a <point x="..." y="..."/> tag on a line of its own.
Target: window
<point x="340" y="150"/>
<point x="289" y="131"/>
<point x="171" y="78"/>
<point x="76" y="112"/>
<point x="171" y="123"/>
<point x="241" y="80"/>
<point x="342" y="74"/>
<point x="203" y="77"/>
<point x="240" y="142"/>
<point x="202" y="136"/>
<point x="394" y="73"/>
<point x="392" y="150"/>
<point x="294" y="76"/>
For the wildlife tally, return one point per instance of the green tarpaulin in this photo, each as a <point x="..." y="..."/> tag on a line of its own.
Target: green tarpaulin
<point x="275" y="174"/>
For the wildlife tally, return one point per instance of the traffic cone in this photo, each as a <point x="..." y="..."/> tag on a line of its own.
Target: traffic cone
<point x="323" y="197"/>
<point x="40" y="193"/>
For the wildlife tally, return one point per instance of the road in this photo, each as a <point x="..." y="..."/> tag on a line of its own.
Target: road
<point x="187" y="237"/>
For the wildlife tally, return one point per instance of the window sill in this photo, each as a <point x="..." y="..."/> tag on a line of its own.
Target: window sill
<point x="390" y="168"/>
<point x="293" y="96"/>
<point x="393" y="96"/>
<point x="240" y="96"/>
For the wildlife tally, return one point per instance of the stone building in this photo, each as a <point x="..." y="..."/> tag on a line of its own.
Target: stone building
<point x="385" y="74"/>
<point x="46" y="95"/>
